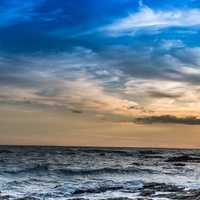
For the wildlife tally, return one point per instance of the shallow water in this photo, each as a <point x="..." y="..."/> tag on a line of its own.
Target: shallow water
<point x="93" y="173"/>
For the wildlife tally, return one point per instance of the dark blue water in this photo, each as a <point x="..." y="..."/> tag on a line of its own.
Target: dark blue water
<point x="93" y="173"/>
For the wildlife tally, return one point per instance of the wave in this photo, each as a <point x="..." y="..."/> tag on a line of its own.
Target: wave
<point x="100" y="189"/>
<point x="36" y="168"/>
<point x="68" y="171"/>
<point x="109" y="186"/>
<point x="107" y="151"/>
<point x="102" y="171"/>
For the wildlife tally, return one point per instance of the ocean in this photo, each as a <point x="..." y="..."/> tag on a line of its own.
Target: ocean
<point x="80" y="173"/>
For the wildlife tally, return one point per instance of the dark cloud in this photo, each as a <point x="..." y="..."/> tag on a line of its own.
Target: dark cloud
<point x="142" y="62"/>
<point x="140" y="108"/>
<point x="157" y="94"/>
<point x="76" y="111"/>
<point x="168" y="119"/>
<point x="50" y="92"/>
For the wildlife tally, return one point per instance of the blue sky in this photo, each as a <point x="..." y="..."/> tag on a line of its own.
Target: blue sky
<point x="124" y="58"/>
<point x="49" y="25"/>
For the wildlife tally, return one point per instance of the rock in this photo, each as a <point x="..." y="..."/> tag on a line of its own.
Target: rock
<point x="169" y="191"/>
<point x="179" y="164"/>
<point x="152" y="157"/>
<point x="5" y="151"/>
<point x="161" y="187"/>
<point x="78" y="199"/>
<point x="184" y="158"/>
<point x="150" y="190"/>
<point x="27" y="198"/>
<point x="147" y="152"/>
<point x="118" y="198"/>
<point x="147" y="193"/>
<point x="183" y="195"/>
<point x="6" y="197"/>
<point x="97" y="190"/>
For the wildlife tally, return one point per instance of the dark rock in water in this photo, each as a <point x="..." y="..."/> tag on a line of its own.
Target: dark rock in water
<point x="5" y="151"/>
<point x="183" y="195"/>
<point x="147" y="193"/>
<point x="144" y="198"/>
<point x="161" y="187"/>
<point x="116" y="198"/>
<point x="119" y="198"/>
<point x="27" y="198"/>
<point x="184" y="158"/>
<point x="97" y="190"/>
<point x="136" y="163"/>
<point x="150" y="189"/>
<point x="147" y="152"/>
<point x="6" y="197"/>
<point x="153" y="157"/>
<point x="179" y="164"/>
<point x="168" y="191"/>
<point x="78" y="199"/>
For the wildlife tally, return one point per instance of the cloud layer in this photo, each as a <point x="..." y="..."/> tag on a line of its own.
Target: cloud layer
<point x="147" y="18"/>
<point x="62" y="54"/>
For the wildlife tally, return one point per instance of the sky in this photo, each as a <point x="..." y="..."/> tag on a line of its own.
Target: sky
<point x="100" y="73"/>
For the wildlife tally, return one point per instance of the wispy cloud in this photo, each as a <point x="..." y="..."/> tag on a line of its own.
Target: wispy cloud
<point x="14" y="11"/>
<point x="148" y="18"/>
<point x="170" y="44"/>
<point x="65" y="80"/>
<point x="117" y="81"/>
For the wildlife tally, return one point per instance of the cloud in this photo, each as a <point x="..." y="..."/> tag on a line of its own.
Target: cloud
<point x="170" y="44"/>
<point x="148" y="18"/>
<point x="119" y="80"/>
<point x="145" y="75"/>
<point x="164" y="94"/>
<point x="76" y="111"/>
<point x="189" y="55"/>
<point x="176" y="63"/>
<point x="155" y="88"/>
<point x="166" y="119"/>
<point x="67" y="80"/>
<point x="90" y="94"/>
